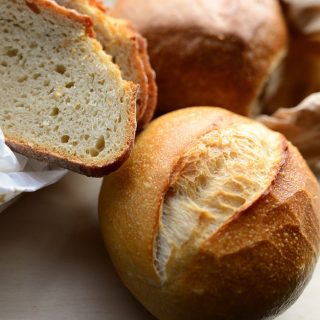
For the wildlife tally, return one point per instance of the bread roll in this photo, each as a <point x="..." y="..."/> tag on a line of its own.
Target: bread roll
<point x="209" y="52"/>
<point x="213" y="216"/>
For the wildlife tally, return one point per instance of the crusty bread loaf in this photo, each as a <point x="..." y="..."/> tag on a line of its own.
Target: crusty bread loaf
<point x="213" y="216"/>
<point x="209" y="52"/>
<point x="125" y="45"/>
<point x="62" y="98"/>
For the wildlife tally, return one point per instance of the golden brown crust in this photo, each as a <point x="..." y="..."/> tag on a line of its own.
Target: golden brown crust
<point x="209" y="52"/>
<point x="253" y="267"/>
<point x="76" y="164"/>
<point x="154" y="170"/>
<point x="261" y="252"/>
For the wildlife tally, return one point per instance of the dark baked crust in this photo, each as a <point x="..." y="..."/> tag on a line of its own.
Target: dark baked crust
<point x="207" y="52"/>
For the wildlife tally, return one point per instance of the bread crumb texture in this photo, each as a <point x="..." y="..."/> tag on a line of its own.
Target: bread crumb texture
<point x="223" y="173"/>
<point x="58" y="90"/>
<point x="117" y="40"/>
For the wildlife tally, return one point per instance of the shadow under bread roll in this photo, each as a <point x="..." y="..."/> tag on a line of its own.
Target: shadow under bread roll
<point x="213" y="216"/>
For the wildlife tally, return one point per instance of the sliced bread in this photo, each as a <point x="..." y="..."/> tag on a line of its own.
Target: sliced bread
<point x="62" y="99"/>
<point x="152" y="86"/>
<point x="128" y="49"/>
<point x="143" y="50"/>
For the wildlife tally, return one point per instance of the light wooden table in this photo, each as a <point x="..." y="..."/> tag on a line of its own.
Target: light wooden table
<point x="53" y="265"/>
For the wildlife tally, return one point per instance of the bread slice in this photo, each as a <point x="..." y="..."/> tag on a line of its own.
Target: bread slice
<point x="151" y="76"/>
<point x="123" y="43"/>
<point x="62" y="99"/>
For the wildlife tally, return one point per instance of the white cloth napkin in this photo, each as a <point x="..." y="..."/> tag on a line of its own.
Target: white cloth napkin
<point x="19" y="174"/>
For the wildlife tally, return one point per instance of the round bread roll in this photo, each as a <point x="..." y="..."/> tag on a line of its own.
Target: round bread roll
<point x="209" y="52"/>
<point x="214" y="216"/>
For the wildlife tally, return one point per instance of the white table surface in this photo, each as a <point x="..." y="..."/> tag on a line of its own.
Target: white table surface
<point x="53" y="265"/>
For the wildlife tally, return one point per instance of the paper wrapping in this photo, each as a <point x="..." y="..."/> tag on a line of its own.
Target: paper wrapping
<point x="301" y="125"/>
<point x="19" y="174"/>
<point x="298" y="75"/>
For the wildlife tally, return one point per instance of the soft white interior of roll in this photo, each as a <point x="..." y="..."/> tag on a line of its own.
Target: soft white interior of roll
<point x="57" y="87"/>
<point x="223" y="173"/>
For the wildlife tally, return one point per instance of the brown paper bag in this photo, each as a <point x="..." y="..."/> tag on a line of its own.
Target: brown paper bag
<point x="301" y="125"/>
